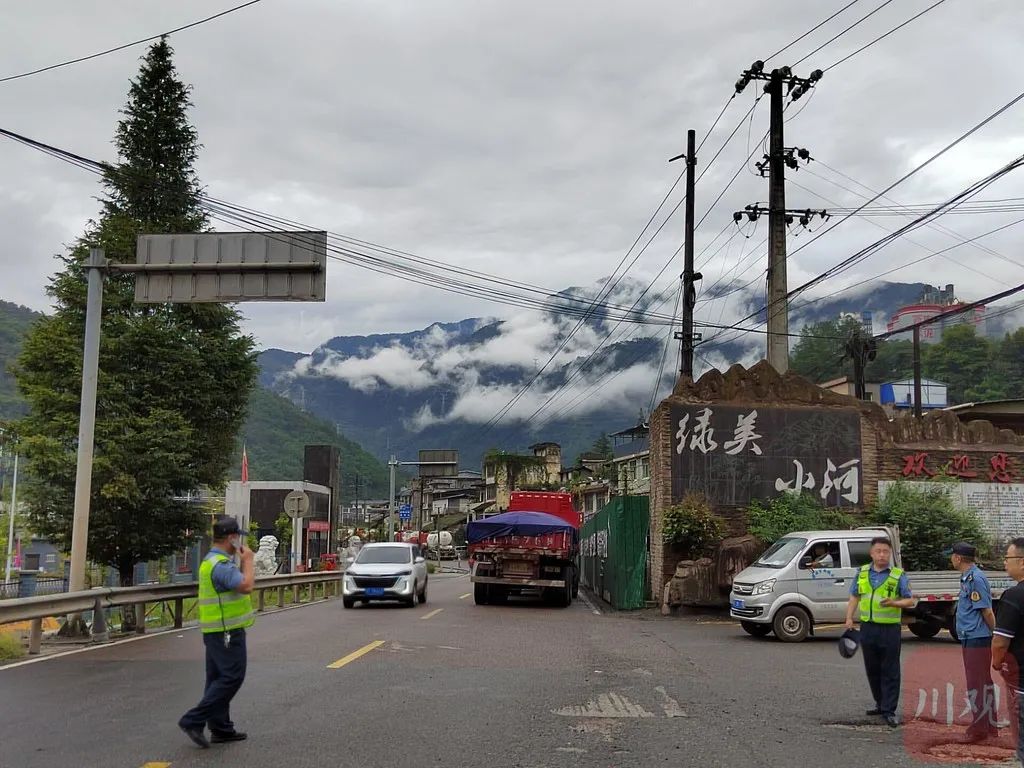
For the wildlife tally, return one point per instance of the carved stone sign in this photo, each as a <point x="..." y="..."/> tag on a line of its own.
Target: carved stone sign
<point x="735" y="454"/>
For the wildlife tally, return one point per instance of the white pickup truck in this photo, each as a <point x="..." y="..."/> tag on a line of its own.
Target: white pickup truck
<point x="782" y="594"/>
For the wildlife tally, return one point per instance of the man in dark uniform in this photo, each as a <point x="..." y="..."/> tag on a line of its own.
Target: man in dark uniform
<point x="225" y="612"/>
<point x="974" y="623"/>
<point x="878" y="594"/>
<point x="1008" y="640"/>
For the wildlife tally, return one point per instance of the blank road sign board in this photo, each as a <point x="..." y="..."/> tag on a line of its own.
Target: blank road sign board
<point x="230" y="266"/>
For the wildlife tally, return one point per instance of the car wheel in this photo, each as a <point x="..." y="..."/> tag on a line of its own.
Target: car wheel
<point x="348" y="602"/>
<point x="756" y="630"/>
<point x="423" y="594"/>
<point x="792" y="624"/>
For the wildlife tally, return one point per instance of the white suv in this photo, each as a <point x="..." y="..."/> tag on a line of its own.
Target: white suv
<point x="387" y="571"/>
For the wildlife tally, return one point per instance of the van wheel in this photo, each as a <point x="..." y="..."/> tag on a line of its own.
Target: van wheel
<point x="791" y="624"/>
<point x="756" y="630"/>
<point x="952" y="630"/>
<point x="926" y="630"/>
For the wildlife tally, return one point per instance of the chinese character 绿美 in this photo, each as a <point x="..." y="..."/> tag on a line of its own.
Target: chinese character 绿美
<point x="703" y="437"/>
<point x="847" y="483"/>
<point x="681" y="435"/>
<point x="745" y="434"/>
<point x="914" y="464"/>
<point x="801" y="482"/>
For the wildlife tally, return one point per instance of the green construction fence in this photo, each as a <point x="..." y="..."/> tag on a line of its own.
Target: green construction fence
<point x="614" y="552"/>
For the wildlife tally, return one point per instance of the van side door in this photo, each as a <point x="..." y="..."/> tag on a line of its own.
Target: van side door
<point x="824" y="579"/>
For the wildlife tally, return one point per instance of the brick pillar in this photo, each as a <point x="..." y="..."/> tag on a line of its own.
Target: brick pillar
<point x="661" y="492"/>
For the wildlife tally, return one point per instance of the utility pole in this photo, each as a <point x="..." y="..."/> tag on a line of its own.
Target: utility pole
<point x="780" y="84"/>
<point x="686" y="336"/>
<point x="917" y="371"/>
<point x="392" y="464"/>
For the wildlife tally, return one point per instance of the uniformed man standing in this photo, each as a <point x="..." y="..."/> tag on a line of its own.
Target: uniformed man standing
<point x="225" y="612"/>
<point x="975" y="621"/>
<point x="879" y="594"/>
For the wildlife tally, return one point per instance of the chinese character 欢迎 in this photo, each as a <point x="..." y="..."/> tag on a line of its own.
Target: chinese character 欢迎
<point x="703" y="437"/>
<point x="744" y="435"/>
<point x="914" y="465"/>
<point x="801" y="482"/>
<point x="961" y="467"/>
<point x="1000" y="472"/>
<point x="847" y="483"/>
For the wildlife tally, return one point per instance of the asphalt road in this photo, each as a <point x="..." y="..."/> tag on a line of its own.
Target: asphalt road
<point x="456" y="685"/>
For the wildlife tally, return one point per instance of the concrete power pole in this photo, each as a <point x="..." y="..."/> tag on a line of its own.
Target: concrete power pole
<point x="780" y="84"/>
<point x="686" y="336"/>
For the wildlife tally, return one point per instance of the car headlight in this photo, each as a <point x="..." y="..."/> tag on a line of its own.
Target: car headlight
<point x="350" y="581"/>
<point x="764" y="587"/>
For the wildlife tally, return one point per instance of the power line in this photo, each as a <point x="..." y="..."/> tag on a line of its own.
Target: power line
<point x="128" y="45"/>
<point x="882" y="37"/>
<point x="815" y="28"/>
<point x="855" y="24"/>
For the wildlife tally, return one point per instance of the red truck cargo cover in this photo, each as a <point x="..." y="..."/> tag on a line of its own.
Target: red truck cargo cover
<point x="557" y="504"/>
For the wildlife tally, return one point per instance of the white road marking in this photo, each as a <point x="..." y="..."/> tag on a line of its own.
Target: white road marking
<point x="607" y="705"/>
<point x="586" y="601"/>
<point x="670" y="705"/>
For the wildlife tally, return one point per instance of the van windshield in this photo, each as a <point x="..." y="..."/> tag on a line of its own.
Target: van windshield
<point x="781" y="553"/>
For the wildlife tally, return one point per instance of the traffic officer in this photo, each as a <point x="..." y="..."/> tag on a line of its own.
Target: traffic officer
<point x="225" y="612"/>
<point x="975" y="621"/>
<point x="879" y="594"/>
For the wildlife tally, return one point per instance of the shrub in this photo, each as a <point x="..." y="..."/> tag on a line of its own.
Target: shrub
<point x="431" y="567"/>
<point x="771" y="520"/>
<point x="929" y="523"/>
<point x="10" y="647"/>
<point x="692" y="527"/>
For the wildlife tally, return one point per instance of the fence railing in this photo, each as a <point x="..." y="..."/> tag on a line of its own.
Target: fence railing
<point x="101" y="599"/>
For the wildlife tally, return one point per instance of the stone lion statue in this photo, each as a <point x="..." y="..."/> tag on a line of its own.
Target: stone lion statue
<point x="265" y="562"/>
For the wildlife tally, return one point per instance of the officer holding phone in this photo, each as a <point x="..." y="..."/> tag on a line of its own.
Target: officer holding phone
<point x="225" y="612"/>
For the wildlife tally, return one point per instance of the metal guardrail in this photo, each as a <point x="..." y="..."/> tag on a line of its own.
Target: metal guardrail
<point x="40" y="607"/>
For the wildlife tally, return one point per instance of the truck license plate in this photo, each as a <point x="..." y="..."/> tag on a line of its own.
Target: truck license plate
<point x="375" y="591"/>
<point x="737" y="604"/>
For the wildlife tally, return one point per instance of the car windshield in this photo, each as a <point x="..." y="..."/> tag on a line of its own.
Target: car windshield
<point x="781" y="552"/>
<point x="384" y="555"/>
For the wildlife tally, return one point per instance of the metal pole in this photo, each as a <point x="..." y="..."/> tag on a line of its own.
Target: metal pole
<point x="10" y="523"/>
<point x="917" y="371"/>
<point x="391" y="498"/>
<point x="778" y="305"/>
<point x="87" y="420"/>
<point x="689" y="295"/>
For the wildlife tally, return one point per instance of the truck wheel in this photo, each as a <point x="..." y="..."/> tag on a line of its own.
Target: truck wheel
<point x="498" y="595"/>
<point x="791" y="624"/>
<point x="952" y="630"/>
<point x="756" y="630"/>
<point x="926" y="630"/>
<point x="480" y="594"/>
<point x="575" y="583"/>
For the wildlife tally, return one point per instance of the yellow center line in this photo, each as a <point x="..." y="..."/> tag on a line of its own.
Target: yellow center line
<point x="356" y="655"/>
<point x="431" y="615"/>
<point x="156" y="765"/>
<point x="463" y="597"/>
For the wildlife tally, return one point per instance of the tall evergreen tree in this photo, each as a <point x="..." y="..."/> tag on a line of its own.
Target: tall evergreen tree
<point x="174" y="379"/>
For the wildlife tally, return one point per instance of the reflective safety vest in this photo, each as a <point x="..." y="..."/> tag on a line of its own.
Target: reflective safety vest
<point x="220" y="611"/>
<point x="871" y="609"/>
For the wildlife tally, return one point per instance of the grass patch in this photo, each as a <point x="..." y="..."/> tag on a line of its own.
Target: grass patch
<point x="10" y="647"/>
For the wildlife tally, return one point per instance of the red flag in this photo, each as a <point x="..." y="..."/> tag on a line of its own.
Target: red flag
<point x="245" y="466"/>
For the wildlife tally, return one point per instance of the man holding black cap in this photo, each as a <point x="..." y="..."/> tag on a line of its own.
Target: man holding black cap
<point x="975" y="621"/>
<point x="225" y="612"/>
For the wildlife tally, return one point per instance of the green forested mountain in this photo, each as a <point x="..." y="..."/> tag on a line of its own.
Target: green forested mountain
<point x="275" y="430"/>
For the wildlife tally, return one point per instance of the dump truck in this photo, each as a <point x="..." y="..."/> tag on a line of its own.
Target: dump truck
<point x="524" y="552"/>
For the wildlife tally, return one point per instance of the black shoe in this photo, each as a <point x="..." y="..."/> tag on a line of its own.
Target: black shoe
<point x="873" y="712"/>
<point x="891" y="721"/>
<point x="223" y="738"/>
<point x="197" y="735"/>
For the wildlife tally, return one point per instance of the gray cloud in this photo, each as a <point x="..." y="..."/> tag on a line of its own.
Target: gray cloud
<point x="524" y="139"/>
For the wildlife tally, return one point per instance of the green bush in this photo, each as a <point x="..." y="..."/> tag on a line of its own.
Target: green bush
<point x="929" y="523"/>
<point x="692" y="527"/>
<point x="771" y="520"/>
<point x="431" y="567"/>
<point x="10" y="647"/>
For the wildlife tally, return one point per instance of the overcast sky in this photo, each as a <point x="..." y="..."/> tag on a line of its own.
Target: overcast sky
<point x="525" y="139"/>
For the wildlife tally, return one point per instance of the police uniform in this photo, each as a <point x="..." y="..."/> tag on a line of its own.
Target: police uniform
<point x="224" y="616"/>
<point x="976" y="643"/>
<point x="880" y="628"/>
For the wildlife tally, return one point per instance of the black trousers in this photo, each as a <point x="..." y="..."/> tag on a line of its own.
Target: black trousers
<point x="880" y="646"/>
<point x="977" y="653"/>
<point x="225" y="673"/>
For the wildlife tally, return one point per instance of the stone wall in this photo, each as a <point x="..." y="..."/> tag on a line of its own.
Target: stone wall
<point x="946" y="443"/>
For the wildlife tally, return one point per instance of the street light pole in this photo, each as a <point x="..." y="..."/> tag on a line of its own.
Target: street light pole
<point x="392" y="464"/>
<point x="10" y="522"/>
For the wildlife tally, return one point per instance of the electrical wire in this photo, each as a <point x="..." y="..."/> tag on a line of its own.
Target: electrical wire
<point x="815" y="28"/>
<point x="127" y="45"/>
<point x="882" y="37"/>
<point x="855" y="24"/>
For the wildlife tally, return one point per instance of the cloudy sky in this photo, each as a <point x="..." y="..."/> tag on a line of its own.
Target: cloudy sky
<point x="523" y="139"/>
